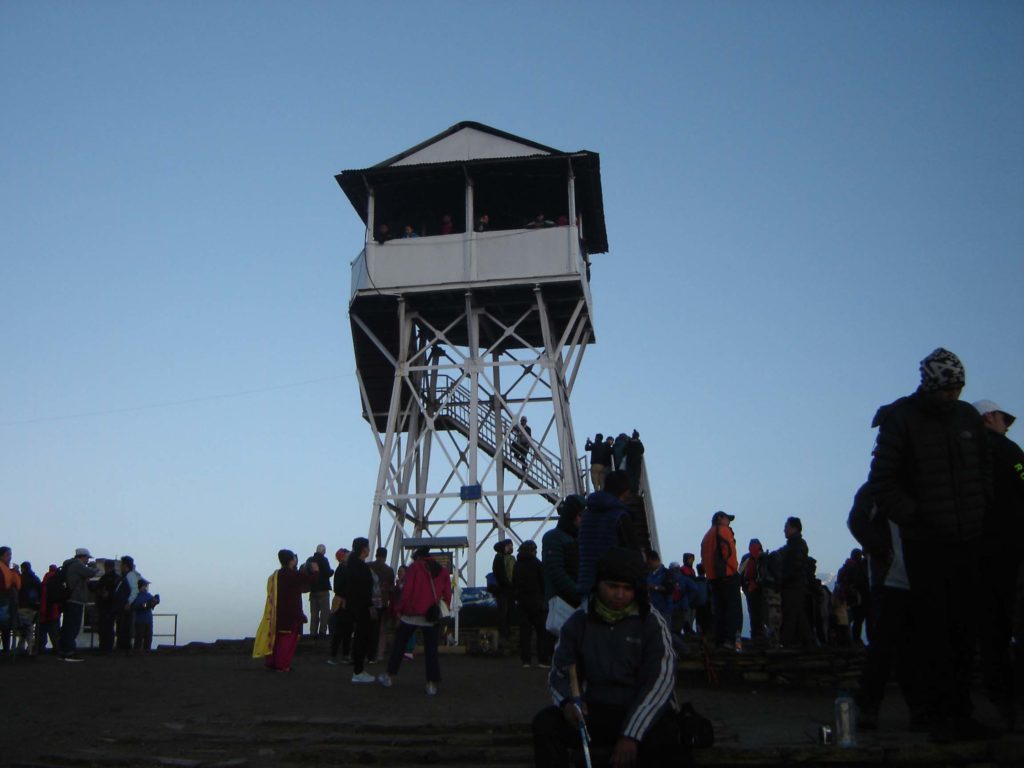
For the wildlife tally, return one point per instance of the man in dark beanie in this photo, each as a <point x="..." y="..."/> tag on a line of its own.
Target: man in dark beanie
<point x="931" y="475"/>
<point x="620" y="653"/>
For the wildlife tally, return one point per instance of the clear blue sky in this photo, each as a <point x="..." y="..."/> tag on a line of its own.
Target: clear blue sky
<point x="803" y="200"/>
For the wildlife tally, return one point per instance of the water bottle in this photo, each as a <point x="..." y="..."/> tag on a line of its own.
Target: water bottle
<point x="846" y="721"/>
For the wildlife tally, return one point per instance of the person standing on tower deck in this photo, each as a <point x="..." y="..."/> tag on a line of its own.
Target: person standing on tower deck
<point x="1001" y="568"/>
<point x="932" y="476"/>
<point x="718" y="554"/>
<point x="606" y="523"/>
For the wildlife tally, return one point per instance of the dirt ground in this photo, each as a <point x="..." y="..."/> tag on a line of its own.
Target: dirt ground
<point x="216" y="706"/>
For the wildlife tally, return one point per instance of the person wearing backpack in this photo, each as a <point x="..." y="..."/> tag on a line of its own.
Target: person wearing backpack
<point x="78" y="569"/>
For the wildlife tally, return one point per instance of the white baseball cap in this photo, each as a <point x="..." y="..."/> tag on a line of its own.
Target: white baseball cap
<point x="987" y="406"/>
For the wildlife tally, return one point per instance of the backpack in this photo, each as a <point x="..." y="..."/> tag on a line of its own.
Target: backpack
<point x="769" y="569"/>
<point x="58" y="590"/>
<point x="695" y="730"/>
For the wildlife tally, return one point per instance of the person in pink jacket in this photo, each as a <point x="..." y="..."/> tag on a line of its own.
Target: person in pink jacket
<point x="427" y="584"/>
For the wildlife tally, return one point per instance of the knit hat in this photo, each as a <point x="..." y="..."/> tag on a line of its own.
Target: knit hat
<point x="529" y="545"/>
<point x="82" y="552"/>
<point x="285" y="556"/>
<point x="621" y="564"/>
<point x="500" y="546"/>
<point x="571" y="506"/>
<point x="942" y="370"/>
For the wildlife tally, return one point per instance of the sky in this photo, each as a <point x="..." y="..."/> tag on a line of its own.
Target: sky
<point x="803" y="200"/>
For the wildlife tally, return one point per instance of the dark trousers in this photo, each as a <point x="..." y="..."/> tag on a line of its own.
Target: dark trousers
<point x="553" y="738"/>
<point x="889" y="654"/>
<point x="531" y="621"/>
<point x="105" y="627"/>
<point x="143" y="636"/>
<point x="49" y="630"/>
<point x="998" y="598"/>
<point x="373" y="637"/>
<point x="403" y="633"/>
<point x="125" y="629"/>
<point x="70" y="626"/>
<point x="944" y="600"/>
<point x="341" y="632"/>
<point x="362" y="626"/>
<point x="504" y="603"/>
<point x="725" y="598"/>
<point x="796" y="623"/>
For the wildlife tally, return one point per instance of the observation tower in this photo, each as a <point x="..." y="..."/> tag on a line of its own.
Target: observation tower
<point x="470" y="312"/>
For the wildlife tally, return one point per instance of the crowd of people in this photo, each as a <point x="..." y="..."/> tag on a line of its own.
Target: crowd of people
<point x="372" y="604"/>
<point x="50" y="611"/>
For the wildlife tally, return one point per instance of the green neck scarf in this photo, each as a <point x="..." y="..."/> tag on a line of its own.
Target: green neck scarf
<point x="612" y="616"/>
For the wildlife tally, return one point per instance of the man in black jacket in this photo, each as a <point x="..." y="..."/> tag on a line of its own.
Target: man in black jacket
<point x="796" y="620"/>
<point x="1004" y="531"/>
<point x="320" y="595"/>
<point x="600" y="460"/>
<point x="931" y="475"/>
<point x="358" y="601"/>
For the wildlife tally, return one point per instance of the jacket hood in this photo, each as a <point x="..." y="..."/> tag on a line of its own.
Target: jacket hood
<point x="601" y="501"/>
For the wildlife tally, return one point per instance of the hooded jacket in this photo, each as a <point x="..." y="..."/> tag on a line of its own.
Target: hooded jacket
<point x="932" y="472"/>
<point x="606" y="523"/>
<point x="561" y="561"/>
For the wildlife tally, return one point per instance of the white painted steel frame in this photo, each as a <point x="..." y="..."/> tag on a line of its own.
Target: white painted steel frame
<point x="455" y="428"/>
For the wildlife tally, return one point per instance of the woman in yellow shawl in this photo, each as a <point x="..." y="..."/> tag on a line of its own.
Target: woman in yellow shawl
<point x="281" y="627"/>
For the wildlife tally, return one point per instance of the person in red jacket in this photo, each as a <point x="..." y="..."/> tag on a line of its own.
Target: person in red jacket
<point x="718" y="554"/>
<point x="427" y="583"/>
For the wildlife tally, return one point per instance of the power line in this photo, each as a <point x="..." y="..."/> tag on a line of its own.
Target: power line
<point x="170" y="403"/>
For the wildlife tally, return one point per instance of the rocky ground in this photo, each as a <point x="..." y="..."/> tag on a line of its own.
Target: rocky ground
<point x="215" y="706"/>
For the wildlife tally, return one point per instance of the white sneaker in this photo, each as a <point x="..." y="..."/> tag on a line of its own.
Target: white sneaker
<point x="364" y="677"/>
<point x="384" y="679"/>
<point x="431" y="689"/>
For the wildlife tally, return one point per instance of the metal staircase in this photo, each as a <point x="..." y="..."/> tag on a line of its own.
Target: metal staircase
<point x="540" y="468"/>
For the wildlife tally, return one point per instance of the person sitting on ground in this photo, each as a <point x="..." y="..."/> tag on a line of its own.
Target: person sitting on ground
<point x="615" y="662"/>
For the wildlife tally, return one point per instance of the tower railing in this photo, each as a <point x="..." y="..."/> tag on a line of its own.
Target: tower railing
<point x="540" y="467"/>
